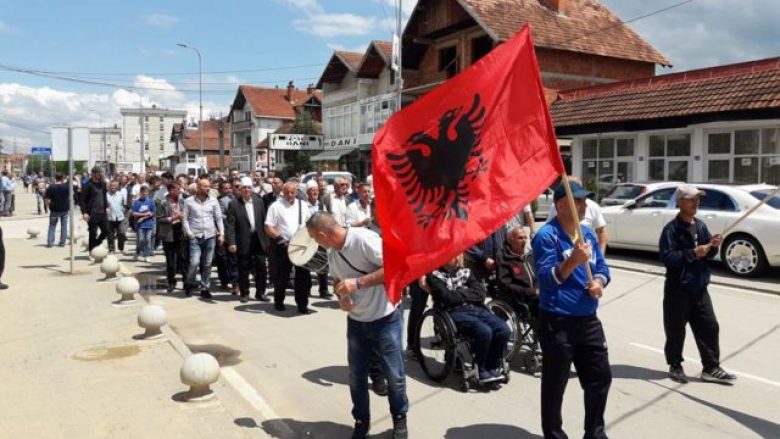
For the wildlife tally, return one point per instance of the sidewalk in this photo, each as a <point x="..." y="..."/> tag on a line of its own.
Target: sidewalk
<point x="71" y="367"/>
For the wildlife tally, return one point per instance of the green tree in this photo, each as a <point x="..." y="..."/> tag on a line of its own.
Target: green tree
<point x="298" y="161"/>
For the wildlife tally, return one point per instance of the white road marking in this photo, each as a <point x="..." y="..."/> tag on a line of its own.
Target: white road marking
<point x="248" y="392"/>
<point x="735" y="372"/>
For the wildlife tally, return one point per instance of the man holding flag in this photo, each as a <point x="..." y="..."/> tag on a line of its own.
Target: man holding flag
<point x="458" y="163"/>
<point x="374" y="324"/>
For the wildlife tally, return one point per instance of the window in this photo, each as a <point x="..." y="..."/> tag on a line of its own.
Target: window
<point x="744" y="156"/>
<point x="374" y="113"/>
<point x="480" y="47"/>
<point x="669" y="157"/>
<point x="608" y="160"/>
<point x="146" y="118"/>
<point x="716" y="200"/>
<point x="448" y="60"/>
<point x="162" y="119"/>
<point x="248" y="140"/>
<point x="247" y="115"/>
<point x="773" y="202"/>
<point x="656" y="199"/>
<point x="339" y="121"/>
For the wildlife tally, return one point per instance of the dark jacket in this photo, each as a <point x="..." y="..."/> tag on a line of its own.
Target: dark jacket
<point x="489" y="248"/>
<point x="94" y="200"/>
<point x="683" y="268"/>
<point x="516" y="273"/>
<point x="165" y="230"/>
<point x="451" y="289"/>
<point x="238" y="229"/>
<point x="269" y="198"/>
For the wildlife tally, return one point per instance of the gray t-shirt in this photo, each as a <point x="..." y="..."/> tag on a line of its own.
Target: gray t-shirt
<point x="363" y="249"/>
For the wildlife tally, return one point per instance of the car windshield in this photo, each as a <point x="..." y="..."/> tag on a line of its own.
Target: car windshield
<point x="625" y="192"/>
<point x="774" y="201"/>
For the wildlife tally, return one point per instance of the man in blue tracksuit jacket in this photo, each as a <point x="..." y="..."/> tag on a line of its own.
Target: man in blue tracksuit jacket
<point x="569" y="330"/>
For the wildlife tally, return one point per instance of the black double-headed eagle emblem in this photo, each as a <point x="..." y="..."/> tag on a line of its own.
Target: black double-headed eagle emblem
<point x="436" y="173"/>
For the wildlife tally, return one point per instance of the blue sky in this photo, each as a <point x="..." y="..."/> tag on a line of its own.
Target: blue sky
<point x="138" y="38"/>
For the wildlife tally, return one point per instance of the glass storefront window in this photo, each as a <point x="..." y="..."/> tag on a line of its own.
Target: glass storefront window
<point x="770" y="170"/>
<point x="590" y="149"/>
<point x="625" y="147"/>
<point x="606" y="148"/>
<point x="678" y="145"/>
<point x="745" y="170"/>
<point x="657" y="146"/>
<point x="746" y="142"/>
<point x="719" y="143"/>
<point x="718" y="171"/>
<point x="655" y="169"/>
<point x="678" y="170"/>
<point x="770" y="143"/>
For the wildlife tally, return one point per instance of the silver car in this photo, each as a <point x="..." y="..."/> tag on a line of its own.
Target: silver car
<point x="747" y="250"/>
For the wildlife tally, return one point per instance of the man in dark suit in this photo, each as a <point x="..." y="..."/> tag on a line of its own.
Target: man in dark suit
<point x="246" y="238"/>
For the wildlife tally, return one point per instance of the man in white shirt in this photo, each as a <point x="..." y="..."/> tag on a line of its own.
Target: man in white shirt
<point x="374" y="325"/>
<point x="285" y="216"/>
<point x="593" y="218"/>
<point x="359" y="212"/>
<point x="315" y="205"/>
<point x="337" y="202"/>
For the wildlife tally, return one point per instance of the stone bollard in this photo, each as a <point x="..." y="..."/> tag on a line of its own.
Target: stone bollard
<point x="109" y="267"/>
<point x="99" y="253"/>
<point x="33" y="232"/>
<point x="151" y="318"/>
<point x="127" y="287"/>
<point x="84" y="245"/>
<point x="199" y="371"/>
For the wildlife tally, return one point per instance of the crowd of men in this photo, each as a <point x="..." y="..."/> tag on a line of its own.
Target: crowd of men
<point x="244" y="225"/>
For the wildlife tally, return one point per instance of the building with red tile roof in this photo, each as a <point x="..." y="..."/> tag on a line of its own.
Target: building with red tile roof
<point x="718" y="124"/>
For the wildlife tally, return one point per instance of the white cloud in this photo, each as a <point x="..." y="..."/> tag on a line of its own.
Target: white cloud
<point x="407" y="6"/>
<point x="308" y="7"/>
<point x="359" y="49"/>
<point x="333" y="25"/>
<point x="162" y="21"/>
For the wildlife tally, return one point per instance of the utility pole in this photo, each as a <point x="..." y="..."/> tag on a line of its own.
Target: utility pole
<point x="141" y="126"/>
<point x="221" y="130"/>
<point x="400" y="79"/>
<point x="200" y="95"/>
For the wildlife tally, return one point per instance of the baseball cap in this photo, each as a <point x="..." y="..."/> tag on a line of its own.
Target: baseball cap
<point x="246" y="181"/>
<point x="576" y="190"/>
<point x="687" y="191"/>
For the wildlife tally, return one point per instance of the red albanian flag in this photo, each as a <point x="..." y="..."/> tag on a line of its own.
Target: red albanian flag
<point x="461" y="161"/>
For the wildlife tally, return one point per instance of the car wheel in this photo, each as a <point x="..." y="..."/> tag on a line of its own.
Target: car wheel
<point x="743" y="256"/>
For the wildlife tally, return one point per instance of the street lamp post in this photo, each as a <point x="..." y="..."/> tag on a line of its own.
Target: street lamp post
<point x="200" y="94"/>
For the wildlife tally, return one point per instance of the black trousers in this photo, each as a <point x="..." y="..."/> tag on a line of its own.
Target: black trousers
<point x="282" y="276"/>
<point x="117" y="233"/>
<point x="322" y="279"/>
<point x="95" y="223"/>
<point x="579" y="340"/>
<point x="694" y="306"/>
<point x="253" y="262"/>
<point x="176" y="257"/>
<point x="419" y="302"/>
<point x="2" y="253"/>
<point x="227" y="265"/>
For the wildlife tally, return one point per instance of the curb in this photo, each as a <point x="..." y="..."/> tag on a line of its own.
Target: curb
<point x="715" y="280"/>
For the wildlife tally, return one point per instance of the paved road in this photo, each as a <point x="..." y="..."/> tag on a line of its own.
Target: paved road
<point x="298" y="365"/>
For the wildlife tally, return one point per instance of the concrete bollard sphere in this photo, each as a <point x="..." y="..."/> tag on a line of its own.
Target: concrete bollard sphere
<point x="109" y="266"/>
<point x="127" y="287"/>
<point x="99" y="253"/>
<point x="199" y="371"/>
<point x="33" y="232"/>
<point x="151" y="318"/>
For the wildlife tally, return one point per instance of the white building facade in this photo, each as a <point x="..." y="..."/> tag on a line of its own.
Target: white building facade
<point x="103" y="144"/>
<point x="156" y="124"/>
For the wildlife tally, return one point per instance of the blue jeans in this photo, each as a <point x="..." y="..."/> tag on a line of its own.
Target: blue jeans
<point x="486" y="331"/>
<point x="201" y="253"/>
<point x="143" y="242"/>
<point x="382" y="337"/>
<point x="62" y="217"/>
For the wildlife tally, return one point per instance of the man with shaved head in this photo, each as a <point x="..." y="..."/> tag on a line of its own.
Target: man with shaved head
<point x="285" y="216"/>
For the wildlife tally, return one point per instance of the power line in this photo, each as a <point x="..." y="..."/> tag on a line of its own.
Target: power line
<point x="621" y="23"/>
<point x="22" y="127"/>
<point x="215" y="72"/>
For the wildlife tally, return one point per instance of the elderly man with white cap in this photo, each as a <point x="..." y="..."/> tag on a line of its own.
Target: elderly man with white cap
<point x="686" y="246"/>
<point x="246" y="238"/>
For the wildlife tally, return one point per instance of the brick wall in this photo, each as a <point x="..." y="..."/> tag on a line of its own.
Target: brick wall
<point x="592" y="69"/>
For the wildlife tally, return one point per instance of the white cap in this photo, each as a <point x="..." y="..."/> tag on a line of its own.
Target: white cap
<point x="246" y="181"/>
<point x="311" y="184"/>
<point x="687" y="191"/>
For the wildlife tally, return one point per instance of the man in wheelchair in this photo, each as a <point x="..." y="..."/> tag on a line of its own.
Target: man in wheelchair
<point x="456" y="290"/>
<point x="516" y="278"/>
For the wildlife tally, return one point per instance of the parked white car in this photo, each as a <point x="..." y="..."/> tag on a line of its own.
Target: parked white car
<point x="543" y="203"/>
<point x="747" y="249"/>
<point x="622" y="192"/>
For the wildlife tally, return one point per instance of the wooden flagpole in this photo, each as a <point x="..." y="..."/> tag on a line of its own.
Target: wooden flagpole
<point x="573" y="208"/>
<point x="753" y="209"/>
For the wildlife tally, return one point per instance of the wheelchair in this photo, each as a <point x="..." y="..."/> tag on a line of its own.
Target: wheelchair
<point x="517" y="313"/>
<point x="441" y="350"/>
